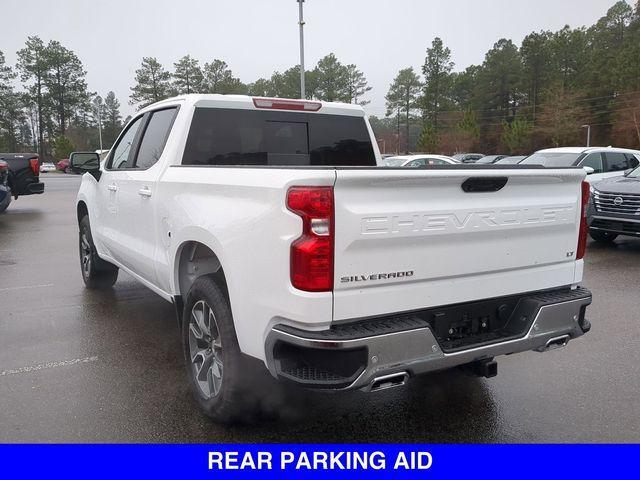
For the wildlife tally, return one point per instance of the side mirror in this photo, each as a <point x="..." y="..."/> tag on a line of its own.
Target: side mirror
<point x="589" y="170"/>
<point x="85" y="162"/>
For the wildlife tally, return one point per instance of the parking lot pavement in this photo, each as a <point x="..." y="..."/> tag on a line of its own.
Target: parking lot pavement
<point x="78" y="365"/>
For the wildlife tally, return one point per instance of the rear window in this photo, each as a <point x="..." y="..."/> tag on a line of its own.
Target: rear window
<point x="551" y="159"/>
<point x="268" y="138"/>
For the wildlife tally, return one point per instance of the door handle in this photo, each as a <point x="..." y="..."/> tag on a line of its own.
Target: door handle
<point x="112" y="188"/>
<point x="144" y="192"/>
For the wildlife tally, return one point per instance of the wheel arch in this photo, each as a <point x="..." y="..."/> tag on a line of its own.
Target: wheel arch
<point x="193" y="260"/>
<point x="81" y="210"/>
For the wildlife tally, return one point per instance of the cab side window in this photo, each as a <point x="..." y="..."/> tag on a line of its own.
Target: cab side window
<point x="154" y="138"/>
<point x="593" y="160"/>
<point x="616" y="161"/>
<point x="122" y="156"/>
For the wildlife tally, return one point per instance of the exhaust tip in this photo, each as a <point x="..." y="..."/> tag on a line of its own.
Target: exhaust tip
<point x="553" y="343"/>
<point x="388" y="381"/>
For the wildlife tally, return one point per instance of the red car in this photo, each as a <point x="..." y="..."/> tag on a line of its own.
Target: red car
<point x="63" y="165"/>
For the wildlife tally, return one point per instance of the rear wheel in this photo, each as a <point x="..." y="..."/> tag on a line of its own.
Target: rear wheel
<point x="219" y="374"/>
<point x="96" y="273"/>
<point x="604" y="237"/>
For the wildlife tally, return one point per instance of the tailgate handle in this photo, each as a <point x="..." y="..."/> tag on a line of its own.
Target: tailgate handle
<point x="484" y="184"/>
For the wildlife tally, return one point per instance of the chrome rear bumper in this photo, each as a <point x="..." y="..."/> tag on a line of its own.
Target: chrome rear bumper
<point x="415" y="349"/>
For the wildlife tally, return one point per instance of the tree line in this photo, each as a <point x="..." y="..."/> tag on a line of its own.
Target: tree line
<point x="522" y="98"/>
<point x="330" y="80"/>
<point x="55" y="112"/>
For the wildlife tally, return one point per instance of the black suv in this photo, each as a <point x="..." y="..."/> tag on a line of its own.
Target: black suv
<point x="614" y="207"/>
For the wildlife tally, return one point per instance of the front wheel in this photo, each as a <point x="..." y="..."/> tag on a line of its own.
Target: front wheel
<point x="96" y="273"/>
<point x="604" y="237"/>
<point x="219" y="375"/>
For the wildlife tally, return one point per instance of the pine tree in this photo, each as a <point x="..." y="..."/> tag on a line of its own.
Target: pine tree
<point x="402" y="97"/>
<point x="65" y="81"/>
<point x="187" y="76"/>
<point x="357" y="85"/>
<point x="332" y="80"/>
<point x="152" y="83"/>
<point x="112" y="121"/>
<point x="32" y="64"/>
<point x="437" y="81"/>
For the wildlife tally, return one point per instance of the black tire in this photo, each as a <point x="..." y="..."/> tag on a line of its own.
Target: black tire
<point x="236" y="397"/>
<point x="603" y="237"/>
<point x="5" y="203"/>
<point x="96" y="273"/>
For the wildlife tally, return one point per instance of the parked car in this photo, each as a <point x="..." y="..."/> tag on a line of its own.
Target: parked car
<point x="329" y="276"/>
<point x="614" y="208"/>
<point x="489" y="159"/>
<point x="24" y="173"/>
<point x="420" y="160"/>
<point x="47" y="167"/>
<point x="468" y="157"/>
<point x="599" y="162"/>
<point x="63" y="165"/>
<point x="5" y="191"/>
<point x="511" y="160"/>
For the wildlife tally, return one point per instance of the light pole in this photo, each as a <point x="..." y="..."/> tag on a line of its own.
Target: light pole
<point x="588" y="127"/>
<point x="301" y="23"/>
<point x="100" y="128"/>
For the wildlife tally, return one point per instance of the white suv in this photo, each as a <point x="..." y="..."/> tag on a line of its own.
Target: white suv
<point x="600" y="162"/>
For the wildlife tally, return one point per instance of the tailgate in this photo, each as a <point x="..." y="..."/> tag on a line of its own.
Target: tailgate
<point x="410" y="239"/>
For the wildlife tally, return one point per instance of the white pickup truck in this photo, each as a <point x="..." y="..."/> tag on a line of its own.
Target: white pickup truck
<point x="281" y="243"/>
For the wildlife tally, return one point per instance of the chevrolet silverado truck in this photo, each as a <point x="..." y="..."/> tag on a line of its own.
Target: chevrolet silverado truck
<point x="23" y="175"/>
<point x="286" y="248"/>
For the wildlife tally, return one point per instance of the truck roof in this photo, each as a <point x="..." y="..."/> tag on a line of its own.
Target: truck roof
<point x="215" y="100"/>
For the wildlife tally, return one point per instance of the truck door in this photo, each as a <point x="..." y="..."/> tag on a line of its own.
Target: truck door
<point x="136" y="220"/>
<point x="104" y="227"/>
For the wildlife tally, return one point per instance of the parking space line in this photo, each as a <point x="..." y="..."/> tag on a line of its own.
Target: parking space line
<point x="26" y="286"/>
<point x="43" y="366"/>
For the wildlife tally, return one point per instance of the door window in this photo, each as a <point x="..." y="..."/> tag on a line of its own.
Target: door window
<point x="616" y="161"/>
<point x="593" y="160"/>
<point x="122" y="150"/>
<point x="154" y="137"/>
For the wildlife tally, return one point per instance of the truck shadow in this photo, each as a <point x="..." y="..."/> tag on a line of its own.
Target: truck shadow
<point x="441" y="407"/>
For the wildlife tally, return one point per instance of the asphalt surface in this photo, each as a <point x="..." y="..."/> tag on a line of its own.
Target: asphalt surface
<point x="85" y="366"/>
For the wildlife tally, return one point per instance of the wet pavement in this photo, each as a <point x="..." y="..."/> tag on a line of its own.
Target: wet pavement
<point x="84" y="366"/>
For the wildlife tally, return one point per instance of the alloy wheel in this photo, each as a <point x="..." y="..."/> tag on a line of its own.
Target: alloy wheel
<point x="205" y="349"/>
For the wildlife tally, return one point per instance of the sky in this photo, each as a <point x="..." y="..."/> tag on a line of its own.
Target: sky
<point x="257" y="37"/>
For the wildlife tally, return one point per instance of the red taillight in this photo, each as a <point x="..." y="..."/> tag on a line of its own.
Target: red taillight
<point x="4" y="166"/>
<point x="285" y="104"/>
<point x="584" y="228"/>
<point x="35" y="166"/>
<point x="312" y="252"/>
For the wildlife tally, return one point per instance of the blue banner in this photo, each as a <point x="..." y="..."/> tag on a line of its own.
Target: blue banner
<point x="512" y="462"/>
